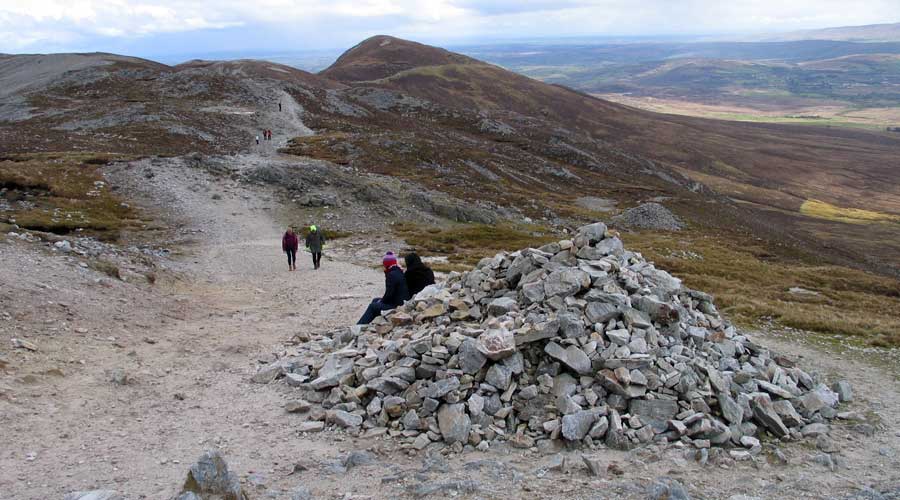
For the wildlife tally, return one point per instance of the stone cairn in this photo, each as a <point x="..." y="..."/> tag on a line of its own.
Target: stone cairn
<point x="579" y="340"/>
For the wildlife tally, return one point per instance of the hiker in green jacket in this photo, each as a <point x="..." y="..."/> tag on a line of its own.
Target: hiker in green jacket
<point x="315" y="240"/>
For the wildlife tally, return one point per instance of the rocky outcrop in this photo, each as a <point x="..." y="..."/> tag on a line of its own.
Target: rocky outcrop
<point x="580" y="340"/>
<point x="649" y="216"/>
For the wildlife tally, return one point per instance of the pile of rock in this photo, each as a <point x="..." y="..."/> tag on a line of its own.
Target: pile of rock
<point x="648" y="216"/>
<point x="579" y="340"/>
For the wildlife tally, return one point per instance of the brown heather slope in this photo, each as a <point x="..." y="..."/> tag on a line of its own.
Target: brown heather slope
<point x="770" y="170"/>
<point x="250" y="68"/>
<point x="117" y="104"/>
<point x="844" y="167"/>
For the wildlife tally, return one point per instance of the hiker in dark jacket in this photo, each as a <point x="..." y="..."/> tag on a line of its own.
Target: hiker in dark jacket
<point x="289" y="245"/>
<point x="395" y="291"/>
<point x="418" y="275"/>
<point x="315" y="240"/>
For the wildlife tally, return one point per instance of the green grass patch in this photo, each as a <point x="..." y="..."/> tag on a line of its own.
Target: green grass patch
<point x="63" y="193"/>
<point x="823" y="210"/>
<point x="752" y="286"/>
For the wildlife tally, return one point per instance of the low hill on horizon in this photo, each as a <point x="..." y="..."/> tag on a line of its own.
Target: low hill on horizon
<point x="885" y="32"/>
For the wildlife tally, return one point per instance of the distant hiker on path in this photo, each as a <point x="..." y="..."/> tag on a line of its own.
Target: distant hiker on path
<point x="315" y="240"/>
<point x="257" y="140"/>
<point x="418" y="275"/>
<point x="289" y="245"/>
<point x="395" y="291"/>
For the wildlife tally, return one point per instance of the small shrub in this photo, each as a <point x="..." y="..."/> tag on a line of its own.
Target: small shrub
<point x="107" y="268"/>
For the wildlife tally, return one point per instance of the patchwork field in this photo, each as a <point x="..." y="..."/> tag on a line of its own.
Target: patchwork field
<point x="828" y="116"/>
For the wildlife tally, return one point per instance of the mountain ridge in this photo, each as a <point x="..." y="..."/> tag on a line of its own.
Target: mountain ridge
<point x="481" y="134"/>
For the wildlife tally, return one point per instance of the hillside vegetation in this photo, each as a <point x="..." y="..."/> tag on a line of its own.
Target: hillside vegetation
<point x="62" y="193"/>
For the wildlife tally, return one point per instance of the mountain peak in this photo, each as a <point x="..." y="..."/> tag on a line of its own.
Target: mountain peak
<point x="382" y="56"/>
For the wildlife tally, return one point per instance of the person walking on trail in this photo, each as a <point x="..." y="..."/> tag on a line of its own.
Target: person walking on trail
<point x="315" y="240"/>
<point x="395" y="291"/>
<point x="418" y="275"/>
<point x="257" y="140"/>
<point x="279" y="106"/>
<point x="289" y="245"/>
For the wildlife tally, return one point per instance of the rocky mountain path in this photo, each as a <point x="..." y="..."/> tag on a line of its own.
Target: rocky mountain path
<point x="186" y="365"/>
<point x="285" y="123"/>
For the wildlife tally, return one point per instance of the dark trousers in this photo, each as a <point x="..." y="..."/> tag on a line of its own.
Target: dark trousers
<point x="373" y="311"/>
<point x="292" y="257"/>
<point x="317" y="259"/>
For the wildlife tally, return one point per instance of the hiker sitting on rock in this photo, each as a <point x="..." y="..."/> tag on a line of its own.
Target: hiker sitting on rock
<point x="315" y="240"/>
<point x="395" y="290"/>
<point x="289" y="245"/>
<point x="418" y="275"/>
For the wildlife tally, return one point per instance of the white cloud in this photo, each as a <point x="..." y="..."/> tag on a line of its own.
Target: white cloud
<point x="68" y="24"/>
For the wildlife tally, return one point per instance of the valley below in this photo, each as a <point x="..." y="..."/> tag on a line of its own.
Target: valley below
<point x="824" y="115"/>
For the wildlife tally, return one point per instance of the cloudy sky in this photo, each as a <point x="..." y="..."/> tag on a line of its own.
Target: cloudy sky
<point x="165" y="27"/>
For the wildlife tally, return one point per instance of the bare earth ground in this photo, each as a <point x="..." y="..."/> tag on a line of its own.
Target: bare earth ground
<point x="190" y="343"/>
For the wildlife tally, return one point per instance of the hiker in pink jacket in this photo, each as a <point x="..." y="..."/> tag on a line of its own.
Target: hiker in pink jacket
<point x="289" y="245"/>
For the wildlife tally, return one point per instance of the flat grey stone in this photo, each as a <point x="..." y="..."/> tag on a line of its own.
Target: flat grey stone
<point x="576" y="426"/>
<point x="454" y="423"/>
<point x="765" y="415"/>
<point x="655" y="412"/>
<point x="571" y="356"/>
<point x="469" y="357"/>
<point x="498" y="376"/>
<point x="601" y="312"/>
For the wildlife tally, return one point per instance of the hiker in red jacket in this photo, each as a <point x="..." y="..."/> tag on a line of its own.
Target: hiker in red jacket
<point x="289" y="245"/>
